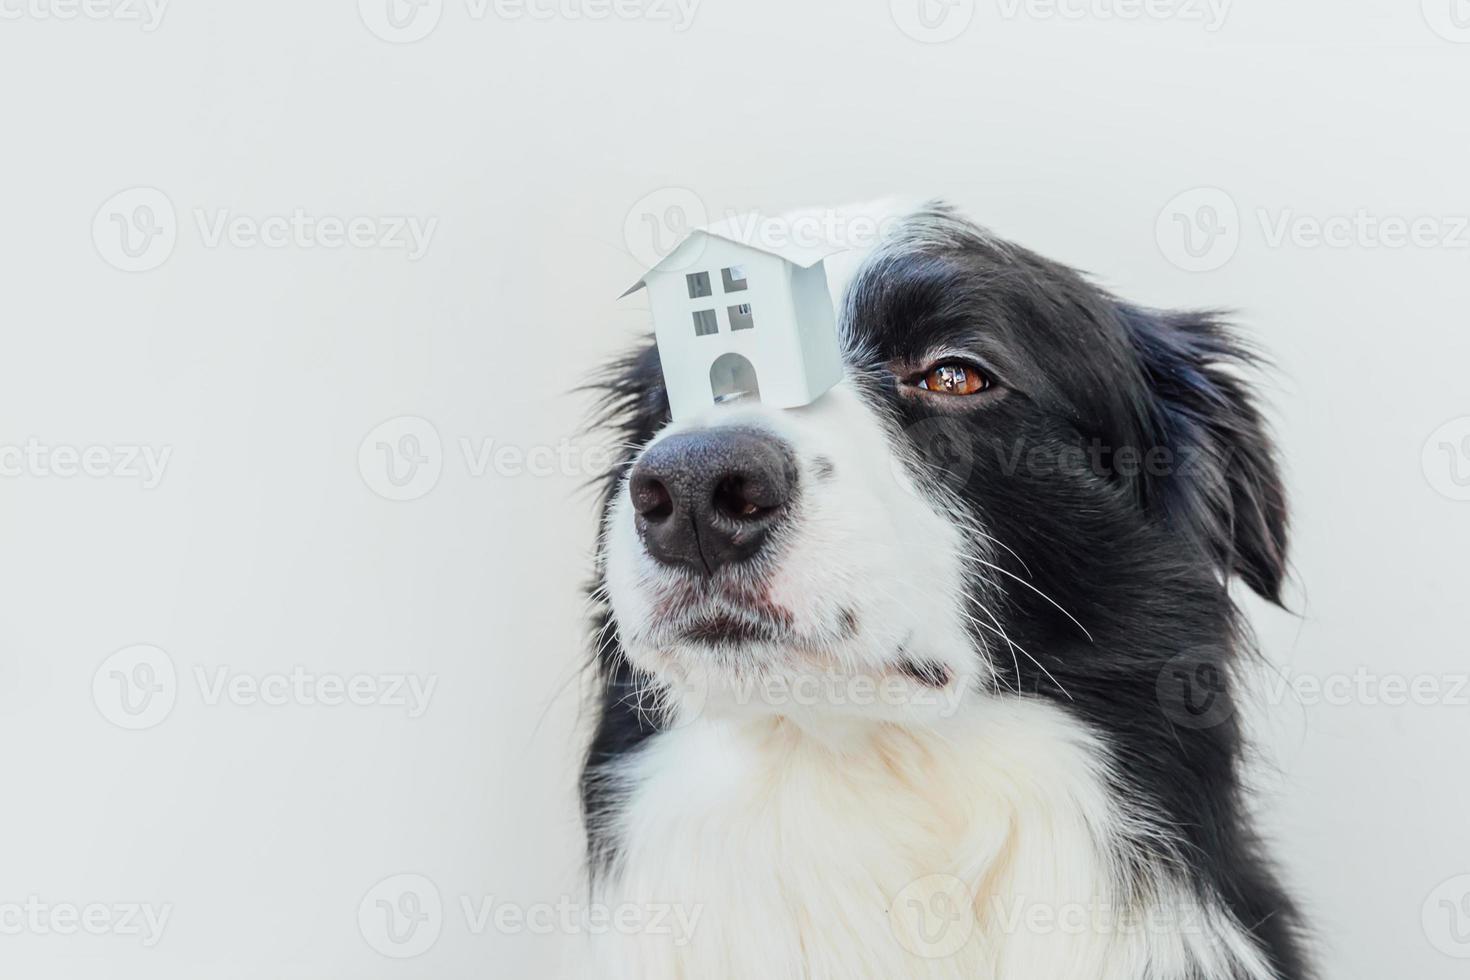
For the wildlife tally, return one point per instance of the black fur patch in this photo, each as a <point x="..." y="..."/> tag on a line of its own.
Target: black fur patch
<point x="926" y="672"/>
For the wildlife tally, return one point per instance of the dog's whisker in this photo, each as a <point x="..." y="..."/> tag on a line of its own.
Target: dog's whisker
<point x="1054" y="603"/>
<point x="1008" y="549"/>
<point x="1016" y="664"/>
<point x="1039" y="664"/>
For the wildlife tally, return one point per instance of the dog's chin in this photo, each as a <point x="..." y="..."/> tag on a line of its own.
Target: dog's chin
<point x="730" y="667"/>
<point x="733" y="622"/>
<point x="732" y="642"/>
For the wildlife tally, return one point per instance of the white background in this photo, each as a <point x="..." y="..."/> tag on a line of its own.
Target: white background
<point x="540" y="147"/>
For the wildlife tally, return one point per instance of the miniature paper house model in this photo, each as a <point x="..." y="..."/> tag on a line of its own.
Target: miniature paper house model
<point x="740" y="321"/>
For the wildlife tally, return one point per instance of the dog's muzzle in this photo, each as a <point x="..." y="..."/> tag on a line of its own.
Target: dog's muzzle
<point x="711" y="498"/>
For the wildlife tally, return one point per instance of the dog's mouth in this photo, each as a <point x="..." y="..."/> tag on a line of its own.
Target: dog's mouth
<point x="724" y="629"/>
<point x="748" y="644"/>
<point x="718" y="614"/>
<point x="725" y="621"/>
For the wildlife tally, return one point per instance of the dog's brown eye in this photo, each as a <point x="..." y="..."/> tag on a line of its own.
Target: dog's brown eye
<point x="954" y="379"/>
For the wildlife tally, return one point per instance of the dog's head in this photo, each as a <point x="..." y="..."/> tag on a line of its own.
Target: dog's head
<point x="1019" y="475"/>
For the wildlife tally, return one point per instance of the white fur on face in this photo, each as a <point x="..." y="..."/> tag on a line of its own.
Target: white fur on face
<point x="866" y="574"/>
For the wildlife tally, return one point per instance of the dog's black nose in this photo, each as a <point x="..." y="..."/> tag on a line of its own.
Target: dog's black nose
<point x="710" y="498"/>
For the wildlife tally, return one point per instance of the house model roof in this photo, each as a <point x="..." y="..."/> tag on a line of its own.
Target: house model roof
<point x="786" y="236"/>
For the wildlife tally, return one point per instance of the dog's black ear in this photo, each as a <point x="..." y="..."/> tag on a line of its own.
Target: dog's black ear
<point x="631" y="402"/>
<point x="1224" y="483"/>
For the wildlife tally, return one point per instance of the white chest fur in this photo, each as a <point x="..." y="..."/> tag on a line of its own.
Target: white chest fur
<point x="987" y="849"/>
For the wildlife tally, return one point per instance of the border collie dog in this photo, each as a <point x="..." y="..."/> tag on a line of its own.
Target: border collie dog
<point x="933" y="677"/>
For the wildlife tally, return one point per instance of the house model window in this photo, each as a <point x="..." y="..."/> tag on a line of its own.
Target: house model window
<point x="698" y="284"/>
<point x="733" y="278"/>
<point x="705" y="323"/>
<point x="740" y="318"/>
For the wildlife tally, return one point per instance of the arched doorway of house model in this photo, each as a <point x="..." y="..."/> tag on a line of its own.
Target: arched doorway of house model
<point x="733" y="376"/>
